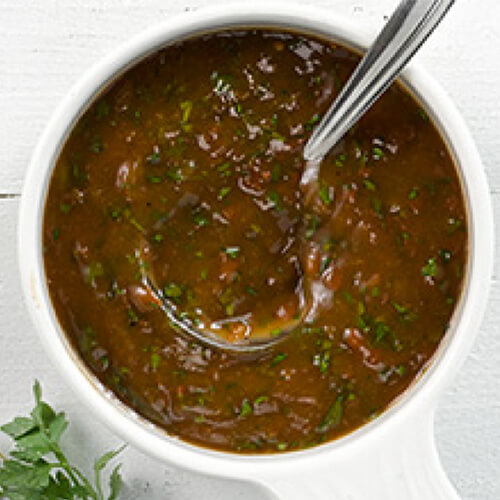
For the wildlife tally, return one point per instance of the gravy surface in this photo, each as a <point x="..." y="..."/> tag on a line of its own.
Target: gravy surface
<point x="188" y="168"/>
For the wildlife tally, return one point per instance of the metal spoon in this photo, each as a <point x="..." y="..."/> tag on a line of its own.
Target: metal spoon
<point x="407" y="29"/>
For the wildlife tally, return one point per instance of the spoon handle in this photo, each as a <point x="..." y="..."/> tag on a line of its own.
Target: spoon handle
<point x="407" y="29"/>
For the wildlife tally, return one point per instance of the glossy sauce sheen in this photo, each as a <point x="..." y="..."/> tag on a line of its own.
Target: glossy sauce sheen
<point x="188" y="168"/>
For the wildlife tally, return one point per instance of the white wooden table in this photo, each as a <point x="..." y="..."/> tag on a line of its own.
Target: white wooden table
<point x="47" y="44"/>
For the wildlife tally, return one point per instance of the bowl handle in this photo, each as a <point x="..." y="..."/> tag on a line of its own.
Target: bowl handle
<point x="400" y="463"/>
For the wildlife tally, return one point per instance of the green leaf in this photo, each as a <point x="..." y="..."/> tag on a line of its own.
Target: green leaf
<point x="80" y="491"/>
<point x="57" y="427"/>
<point x="30" y="456"/>
<point x="37" y="468"/>
<point x="60" y="488"/>
<point x="18" y="427"/>
<point x="102" y="461"/>
<point x="16" y="475"/>
<point x="14" y="495"/>
<point x="35" y="441"/>
<point x="37" y="391"/>
<point x="115" y="483"/>
<point x="43" y="415"/>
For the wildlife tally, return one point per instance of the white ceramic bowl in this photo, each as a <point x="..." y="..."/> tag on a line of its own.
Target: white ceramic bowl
<point x="393" y="457"/>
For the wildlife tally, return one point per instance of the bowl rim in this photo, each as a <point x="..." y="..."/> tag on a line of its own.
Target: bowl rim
<point x="116" y="415"/>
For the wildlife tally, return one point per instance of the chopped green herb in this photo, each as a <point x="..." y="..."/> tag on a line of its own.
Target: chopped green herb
<point x="324" y="194"/>
<point x="325" y="262"/>
<point x="430" y="269"/>
<point x="322" y="360"/>
<point x="133" y="319"/>
<point x="400" y="370"/>
<point x="186" y="108"/>
<point x="255" y="228"/>
<point x="276" y="173"/>
<point x="279" y="358"/>
<point x="404" y="236"/>
<point x="377" y="153"/>
<point x="246" y="408"/>
<point x="370" y="185"/>
<point x="172" y="291"/>
<point x="102" y="109"/>
<point x="340" y="160"/>
<point x="275" y="332"/>
<point x="94" y="270"/>
<point x="115" y="213"/>
<point x="158" y="238"/>
<point x="413" y="193"/>
<point x="65" y="208"/>
<point x="174" y="175"/>
<point x="153" y="159"/>
<point x="333" y="416"/>
<point x="96" y="146"/>
<point x="136" y="224"/>
<point x="251" y="291"/>
<point x="445" y="255"/>
<point x="200" y="220"/>
<point x="260" y="399"/>
<point x="406" y="314"/>
<point x="155" y="179"/>
<point x="203" y="274"/>
<point x="423" y="115"/>
<point x="381" y="331"/>
<point x="454" y="225"/>
<point x="232" y="252"/>
<point x="55" y="234"/>
<point x="377" y="206"/>
<point x="155" y="360"/>
<point x="230" y="309"/>
<point x="223" y="193"/>
<point x="348" y="297"/>
<point x="282" y="446"/>
<point x="224" y="169"/>
<point x="274" y="198"/>
<point x="399" y="308"/>
<point x="312" y="225"/>
<point x="309" y="125"/>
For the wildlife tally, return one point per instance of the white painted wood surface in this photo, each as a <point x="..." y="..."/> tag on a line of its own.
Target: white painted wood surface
<point x="47" y="44"/>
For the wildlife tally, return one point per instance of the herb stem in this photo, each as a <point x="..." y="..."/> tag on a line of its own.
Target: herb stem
<point x="98" y="486"/>
<point x="75" y="475"/>
<point x="87" y="484"/>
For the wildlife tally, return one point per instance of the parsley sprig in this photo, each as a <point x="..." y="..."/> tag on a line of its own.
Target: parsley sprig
<point x="37" y="469"/>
